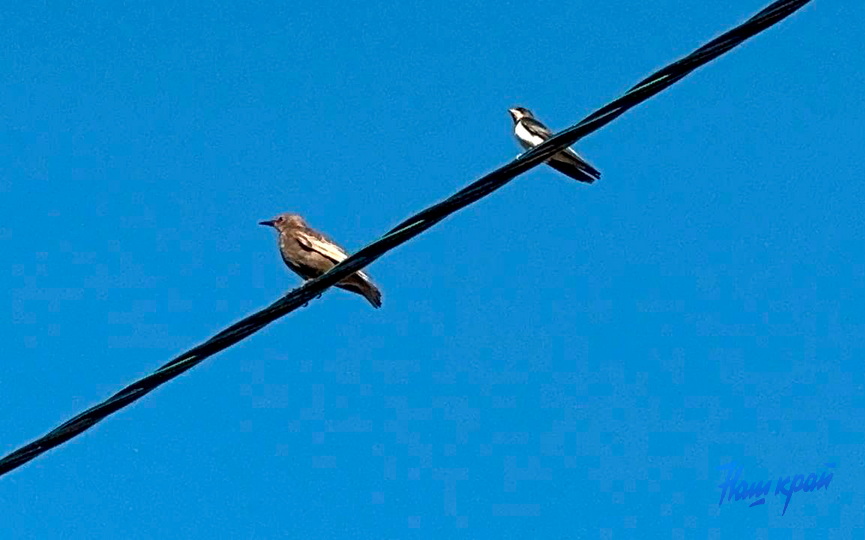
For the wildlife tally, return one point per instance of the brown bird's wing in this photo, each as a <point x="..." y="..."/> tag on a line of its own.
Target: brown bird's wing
<point x="324" y="246"/>
<point x="358" y="282"/>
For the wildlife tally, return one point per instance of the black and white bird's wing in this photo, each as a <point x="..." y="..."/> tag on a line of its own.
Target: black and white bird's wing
<point x="531" y="133"/>
<point x="325" y="247"/>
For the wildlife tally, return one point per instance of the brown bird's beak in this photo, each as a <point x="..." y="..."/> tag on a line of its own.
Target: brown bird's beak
<point x="269" y="223"/>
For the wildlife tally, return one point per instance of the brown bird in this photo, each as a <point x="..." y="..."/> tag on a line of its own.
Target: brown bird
<point x="309" y="254"/>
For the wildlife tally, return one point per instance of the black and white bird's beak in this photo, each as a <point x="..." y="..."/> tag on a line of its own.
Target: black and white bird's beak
<point x="269" y="223"/>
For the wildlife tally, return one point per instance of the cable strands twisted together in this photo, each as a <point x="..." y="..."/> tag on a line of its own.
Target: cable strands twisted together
<point x="405" y="231"/>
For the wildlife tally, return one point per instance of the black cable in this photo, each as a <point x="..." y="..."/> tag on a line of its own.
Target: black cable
<point x="405" y="231"/>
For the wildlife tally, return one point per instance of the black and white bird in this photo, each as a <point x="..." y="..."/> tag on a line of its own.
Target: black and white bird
<point x="309" y="254"/>
<point x="530" y="133"/>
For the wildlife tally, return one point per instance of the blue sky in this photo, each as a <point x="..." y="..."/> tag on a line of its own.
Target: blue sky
<point x="557" y="361"/>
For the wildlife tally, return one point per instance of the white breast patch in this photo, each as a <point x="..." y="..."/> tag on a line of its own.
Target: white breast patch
<point x="526" y="138"/>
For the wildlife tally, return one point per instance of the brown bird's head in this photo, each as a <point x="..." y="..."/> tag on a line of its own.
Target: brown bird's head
<point x="287" y="220"/>
<point x="518" y="113"/>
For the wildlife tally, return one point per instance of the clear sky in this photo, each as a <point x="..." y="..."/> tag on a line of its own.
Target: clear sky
<point x="557" y="361"/>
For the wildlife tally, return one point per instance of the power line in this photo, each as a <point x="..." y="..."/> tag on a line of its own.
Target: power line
<point x="405" y="231"/>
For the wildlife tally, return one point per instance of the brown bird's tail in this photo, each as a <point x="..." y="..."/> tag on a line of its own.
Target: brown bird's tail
<point x="367" y="289"/>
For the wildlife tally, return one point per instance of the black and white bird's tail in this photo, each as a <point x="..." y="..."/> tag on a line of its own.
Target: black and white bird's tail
<point x="572" y="165"/>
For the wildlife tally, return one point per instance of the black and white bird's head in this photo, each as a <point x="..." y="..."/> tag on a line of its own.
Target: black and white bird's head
<point x="518" y="113"/>
<point x="287" y="220"/>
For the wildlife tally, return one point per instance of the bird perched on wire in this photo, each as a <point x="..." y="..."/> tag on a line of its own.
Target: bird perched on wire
<point x="309" y="254"/>
<point x="530" y="133"/>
